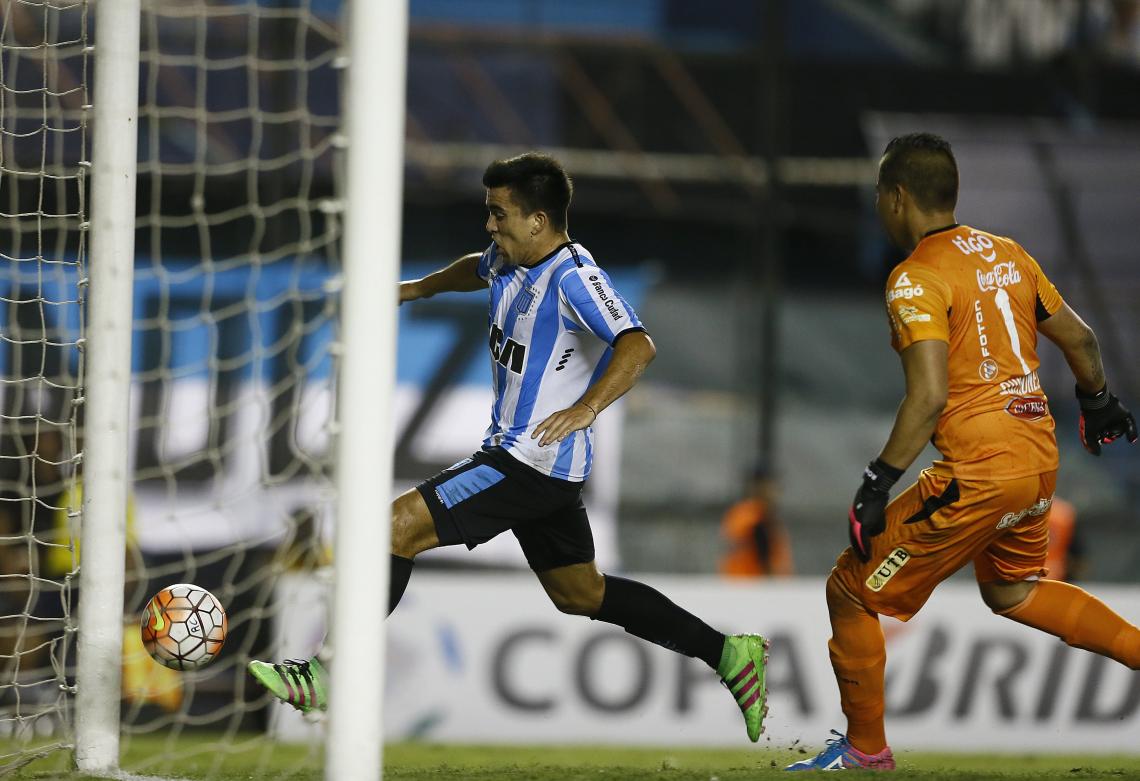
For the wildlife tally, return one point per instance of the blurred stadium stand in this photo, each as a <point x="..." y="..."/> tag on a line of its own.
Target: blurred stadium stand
<point x="731" y="148"/>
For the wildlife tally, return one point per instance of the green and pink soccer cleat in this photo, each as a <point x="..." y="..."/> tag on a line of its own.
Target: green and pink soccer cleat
<point x="741" y="669"/>
<point x="304" y="685"/>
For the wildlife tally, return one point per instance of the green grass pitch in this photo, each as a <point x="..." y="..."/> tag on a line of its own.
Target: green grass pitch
<point x="253" y="759"/>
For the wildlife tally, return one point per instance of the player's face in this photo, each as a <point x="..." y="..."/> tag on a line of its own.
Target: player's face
<point x="510" y="229"/>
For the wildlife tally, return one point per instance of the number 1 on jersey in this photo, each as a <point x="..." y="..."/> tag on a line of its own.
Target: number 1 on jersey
<point x="1001" y="298"/>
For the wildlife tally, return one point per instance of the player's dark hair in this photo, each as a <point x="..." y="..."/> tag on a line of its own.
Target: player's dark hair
<point x="924" y="164"/>
<point x="538" y="183"/>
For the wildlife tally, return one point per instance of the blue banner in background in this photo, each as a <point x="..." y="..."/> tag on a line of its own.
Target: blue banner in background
<point x="193" y="320"/>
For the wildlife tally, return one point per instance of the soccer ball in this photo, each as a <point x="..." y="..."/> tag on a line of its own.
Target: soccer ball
<point x="183" y="626"/>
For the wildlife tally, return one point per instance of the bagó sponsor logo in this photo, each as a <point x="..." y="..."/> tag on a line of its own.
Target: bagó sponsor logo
<point x="976" y="243"/>
<point x="895" y="561"/>
<point x="1001" y="275"/>
<point x="611" y="307"/>
<point x="910" y="291"/>
<point x="1040" y="507"/>
<point x="1033" y="408"/>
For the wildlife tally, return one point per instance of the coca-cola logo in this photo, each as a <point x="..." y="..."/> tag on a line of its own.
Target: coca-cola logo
<point x="1027" y="408"/>
<point x="1001" y="275"/>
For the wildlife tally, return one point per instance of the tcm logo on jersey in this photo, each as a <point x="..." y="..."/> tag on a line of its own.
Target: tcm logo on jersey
<point x="976" y="243"/>
<point x="1001" y="275"/>
<point x="611" y="307"/>
<point x="904" y="289"/>
<point x="1027" y="408"/>
<point x="1040" y="507"/>
<point x="885" y="571"/>
<point x="507" y="352"/>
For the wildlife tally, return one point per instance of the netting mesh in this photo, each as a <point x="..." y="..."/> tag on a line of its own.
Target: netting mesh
<point x="234" y="315"/>
<point x="43" y="149"/>
<point x="235" y="301"/>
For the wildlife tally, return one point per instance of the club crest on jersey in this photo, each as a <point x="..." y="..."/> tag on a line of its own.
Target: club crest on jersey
<point x="895" y="561"/>
<point x="524" y="300"/>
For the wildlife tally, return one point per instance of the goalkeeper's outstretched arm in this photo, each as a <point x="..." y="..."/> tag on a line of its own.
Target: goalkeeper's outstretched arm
<point x="459" y="277"/>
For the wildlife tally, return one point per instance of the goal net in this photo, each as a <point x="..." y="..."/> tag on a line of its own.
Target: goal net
<point x="235" y="305"/>
<point x="43" y="151"/>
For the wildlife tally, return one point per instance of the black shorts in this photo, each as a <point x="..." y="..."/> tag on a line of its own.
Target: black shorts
<point x="490" y="492"/>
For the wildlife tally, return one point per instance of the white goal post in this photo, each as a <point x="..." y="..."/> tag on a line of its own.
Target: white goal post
<point x="257" y="276"/>
<point x="374" y="184"/>
<point x="102" y="574"/>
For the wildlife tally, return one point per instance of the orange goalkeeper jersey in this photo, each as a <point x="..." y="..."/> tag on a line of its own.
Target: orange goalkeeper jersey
<point x="983" y="295"/>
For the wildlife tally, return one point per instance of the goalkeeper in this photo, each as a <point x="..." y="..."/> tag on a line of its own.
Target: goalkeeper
<point x="564" y="345"/>
<point x="965" y="310"/>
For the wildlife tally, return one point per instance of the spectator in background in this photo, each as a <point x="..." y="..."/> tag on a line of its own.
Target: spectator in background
<point x="1066" y="557"/>
<point x="1122" y="38"/>
<point x="758" y="543"/>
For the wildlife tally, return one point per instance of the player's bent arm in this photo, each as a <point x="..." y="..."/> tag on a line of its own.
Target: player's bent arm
<point x="1078" y="343"/>
<point x="633" y="351"/>
<point x="925" y="367"/>
<point x="459" y="277"/>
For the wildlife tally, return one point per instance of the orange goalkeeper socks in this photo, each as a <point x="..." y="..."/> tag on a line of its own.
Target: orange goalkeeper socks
<point x="859" y="658"/>
<point x="1080" y="619"/>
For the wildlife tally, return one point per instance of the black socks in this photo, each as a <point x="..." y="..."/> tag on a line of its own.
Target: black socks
<point x="399" y="572"/>
<point x="647" y="613"/>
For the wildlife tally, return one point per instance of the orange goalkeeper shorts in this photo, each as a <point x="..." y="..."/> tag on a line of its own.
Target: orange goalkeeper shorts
<point x="939" y="524"/>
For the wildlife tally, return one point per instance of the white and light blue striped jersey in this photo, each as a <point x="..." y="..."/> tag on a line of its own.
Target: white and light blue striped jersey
<point x="553" y="327"/>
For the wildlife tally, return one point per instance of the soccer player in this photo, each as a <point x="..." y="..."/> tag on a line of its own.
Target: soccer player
<point x="965" y="309"/>
<point x="564" y="345"/>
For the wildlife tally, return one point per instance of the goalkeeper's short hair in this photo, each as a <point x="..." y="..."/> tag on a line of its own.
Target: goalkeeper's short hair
<point x="924" y="164"/>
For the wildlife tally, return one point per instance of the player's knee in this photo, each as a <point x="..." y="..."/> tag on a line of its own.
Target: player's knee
<point x="578" y="596"/>
<point x="574" y="604"/>
<point x="1004" y="597"/>
<point x="413" y="530"/>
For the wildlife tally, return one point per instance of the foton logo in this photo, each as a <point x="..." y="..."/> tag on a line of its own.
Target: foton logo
<point x="977" y="243"/>
<point x="1001" y="275"/>
<point x="1027" y="409"/>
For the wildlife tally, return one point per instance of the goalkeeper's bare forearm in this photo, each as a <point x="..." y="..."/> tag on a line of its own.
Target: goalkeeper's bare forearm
<point x="459" y="277"/>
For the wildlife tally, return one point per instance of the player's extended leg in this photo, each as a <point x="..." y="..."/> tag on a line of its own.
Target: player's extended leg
<point x="859" y="658"/>
<point x="413" y="532"/>
<point x="580" y="589"/>
<point x="1068" y="612"/>
<point x="303" y="683"/>
<point x="1007" y="573"/>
